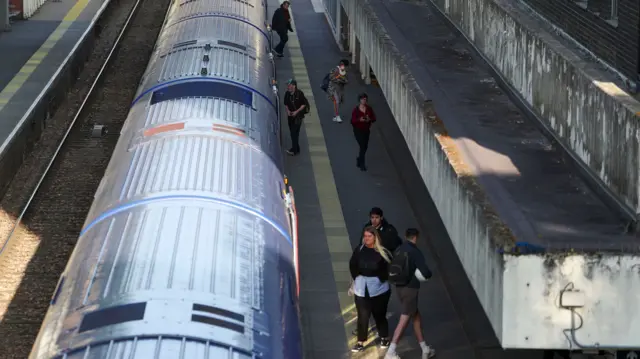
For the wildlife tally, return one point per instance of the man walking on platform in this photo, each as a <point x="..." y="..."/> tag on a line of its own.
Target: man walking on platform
<point x="408" y="268"/>
<point x="281" y="23"/>
<point x="388" y="233"/>
<point x="297" y="106"/>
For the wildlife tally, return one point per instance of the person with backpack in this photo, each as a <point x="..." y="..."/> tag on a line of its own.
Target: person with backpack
<point x="281" y="24"/>
<point x="408" y="268"/>
<point x="369" y="268"/>
<point x="333" y="84"/>
<point x="296" y="105"/>
<point x="362" y="117"/>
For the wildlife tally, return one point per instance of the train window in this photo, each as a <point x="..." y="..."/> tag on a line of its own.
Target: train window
<point x="232" y="44"/>
<point x="111" y="316"/>
<point x="204" y="89"/>
<point x="280" y="189"/>
<point x="185" y="43"/>
<point x="217" y="323"/>
<point x="218" y="311"/>
<point x="56" y="293"/>
<point x="289" y="289"/>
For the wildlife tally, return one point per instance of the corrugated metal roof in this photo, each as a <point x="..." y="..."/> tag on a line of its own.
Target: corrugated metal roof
<point x="222" y="62"/>
<point x="249" y="9"/>
<point x="209" y="109"/>
<point x="200" y="250"/>
<point x="200" y="163"/>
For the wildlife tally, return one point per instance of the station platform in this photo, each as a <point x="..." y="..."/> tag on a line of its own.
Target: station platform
<point x="333" y="199"/>
<point x="41" y="57"/>
<point x="522" y="218"/>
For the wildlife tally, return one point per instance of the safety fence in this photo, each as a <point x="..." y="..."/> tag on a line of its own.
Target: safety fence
<point x="24" y="8"/>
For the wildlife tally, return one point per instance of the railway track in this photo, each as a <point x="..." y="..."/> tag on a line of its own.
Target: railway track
<point x="54" y="188"/>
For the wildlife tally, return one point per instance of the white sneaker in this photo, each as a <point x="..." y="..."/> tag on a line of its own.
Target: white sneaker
<point x="337" y="119"/>
<point x="430" y="353"/>
<point x="393" y="355"/>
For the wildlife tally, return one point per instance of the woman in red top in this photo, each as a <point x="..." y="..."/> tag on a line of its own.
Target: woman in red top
<point x="361" y="119"/>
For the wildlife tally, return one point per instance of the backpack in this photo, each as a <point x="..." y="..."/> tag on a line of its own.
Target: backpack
<point x="400" y="269"/>
<point x="325" y="83"/>
<point x="307" y="107"/>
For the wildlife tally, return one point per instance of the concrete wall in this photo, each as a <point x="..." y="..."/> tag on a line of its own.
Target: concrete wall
<point x="519" y="294"/>
<point x="613" y="40"/>
<point x="576" y="99"/>
<point x="473" y="226"/>
<point x="532" y="292"/>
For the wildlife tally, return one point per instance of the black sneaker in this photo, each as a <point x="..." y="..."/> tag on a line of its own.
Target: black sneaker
<point x="383" y="343"/>
<point x="279" y="54"/>
<point x="357" y="348"/>
<point x="290" y="152"/>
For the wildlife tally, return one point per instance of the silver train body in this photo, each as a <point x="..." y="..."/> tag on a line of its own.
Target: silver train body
<point x="187" y="251"/>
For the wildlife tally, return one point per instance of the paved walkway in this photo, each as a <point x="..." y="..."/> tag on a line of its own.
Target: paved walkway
<point x="333" y="199"/>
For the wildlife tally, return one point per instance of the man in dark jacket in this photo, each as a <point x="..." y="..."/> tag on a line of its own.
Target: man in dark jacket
<point x="281" y="23"/>
<point x="388" y="233"/>
<point x="408" y="295"/>
<point x="295" y="104"/>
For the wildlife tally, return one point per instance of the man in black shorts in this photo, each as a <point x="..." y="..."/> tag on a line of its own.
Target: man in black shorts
<point x="408" y="293"/>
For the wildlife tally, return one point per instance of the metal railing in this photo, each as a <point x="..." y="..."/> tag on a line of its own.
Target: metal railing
<point x="29" y="7"/>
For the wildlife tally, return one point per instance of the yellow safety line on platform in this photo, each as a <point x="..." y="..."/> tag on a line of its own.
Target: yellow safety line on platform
<point x="333" y="219"/>
<point x="30" y="66"/>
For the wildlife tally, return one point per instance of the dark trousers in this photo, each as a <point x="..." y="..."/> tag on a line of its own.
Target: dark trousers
<point x="284" y="37"/>
<point x="362" y="137"/>
<point x="294" y="130"/>
<point x="372" y="306"/>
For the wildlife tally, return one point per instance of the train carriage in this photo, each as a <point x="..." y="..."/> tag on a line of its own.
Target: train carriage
<point x="188" y="249"/>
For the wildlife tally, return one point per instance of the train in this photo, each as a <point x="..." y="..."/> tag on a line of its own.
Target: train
<point x="189" y="249"/>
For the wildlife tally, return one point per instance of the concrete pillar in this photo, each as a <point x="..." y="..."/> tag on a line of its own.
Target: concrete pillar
<point x="338" y="33"/>
<point x="352" y="42"/>
<point x="4" y="16"/>
<point x="364" y="68"/>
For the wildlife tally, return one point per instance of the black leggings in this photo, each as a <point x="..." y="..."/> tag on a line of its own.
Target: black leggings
<point x="362" y="137"/>
<point x="376" y="306"/>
